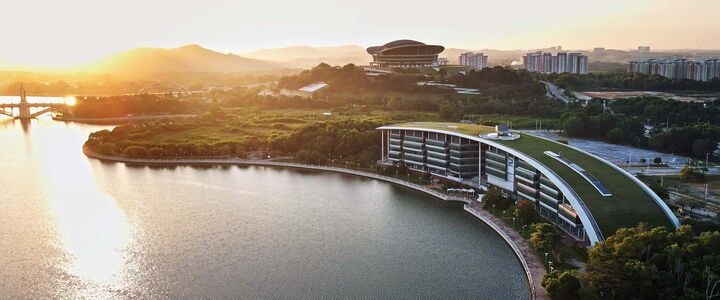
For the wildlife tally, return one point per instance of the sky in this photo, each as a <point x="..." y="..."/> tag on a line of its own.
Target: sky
<point x="45" y="33"/>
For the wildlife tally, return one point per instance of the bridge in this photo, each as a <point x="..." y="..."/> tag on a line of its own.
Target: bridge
<point x="24" y="111"/>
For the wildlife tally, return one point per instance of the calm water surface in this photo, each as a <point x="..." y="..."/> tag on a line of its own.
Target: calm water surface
<point x="72" y="227"/>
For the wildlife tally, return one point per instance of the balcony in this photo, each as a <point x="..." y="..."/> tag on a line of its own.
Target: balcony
<point x="523" y="164"/>
<point x="526" y="196"/>
<point x="437" y="162"/>
<point x="495" y="172"/>
<point x="494" y="156"/>
<point x="440" y="144"/>
<point x="464" y="160"/>
<point x="527" y="176"/>
<point x="414" y="138"/>
<point x="464" y="147"/>
<point x="548" y="201"/>
<point x="436" y="148"/>
<point x="551" y="192"/>
<point x="413" y="162"/>
<point x="415" y="157"/>
<point x="411" y="144"/>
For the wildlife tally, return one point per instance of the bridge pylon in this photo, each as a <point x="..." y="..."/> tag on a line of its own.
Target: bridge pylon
<point x="24" y="106"/>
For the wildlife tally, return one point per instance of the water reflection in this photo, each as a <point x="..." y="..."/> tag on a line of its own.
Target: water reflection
<point x="73" y="228"/>
<point x="93" y="230"/>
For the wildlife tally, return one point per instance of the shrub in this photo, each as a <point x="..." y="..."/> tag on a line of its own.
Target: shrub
<point x="135" y="152"/>
<point x="155" y="152"/>
<point x="563" y="284"/>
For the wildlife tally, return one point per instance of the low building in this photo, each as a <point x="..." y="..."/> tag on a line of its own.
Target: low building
<point x="586" y="196"/>
<point x="304" y="92"/>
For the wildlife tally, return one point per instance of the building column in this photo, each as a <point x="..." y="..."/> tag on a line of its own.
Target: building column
<point x="382" y="146"/>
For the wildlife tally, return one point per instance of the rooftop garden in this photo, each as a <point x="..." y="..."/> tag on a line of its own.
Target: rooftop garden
<point x="469" y="129"/>
<point x="629" y="203"/>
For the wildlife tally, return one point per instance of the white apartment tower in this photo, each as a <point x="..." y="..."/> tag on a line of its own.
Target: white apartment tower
<point x="563" y="62"/>
<point x="474" y="60"/>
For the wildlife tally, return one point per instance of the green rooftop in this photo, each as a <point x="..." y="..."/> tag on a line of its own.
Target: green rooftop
<point x="628" y="205"/>
<point x="469" y="129"/>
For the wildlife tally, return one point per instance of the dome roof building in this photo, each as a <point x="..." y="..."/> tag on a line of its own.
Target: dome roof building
<point x="405" y="53"/>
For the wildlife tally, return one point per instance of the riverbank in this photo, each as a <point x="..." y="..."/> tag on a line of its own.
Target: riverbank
<point x="522" y="251"/>
<point x="119" y="120"/>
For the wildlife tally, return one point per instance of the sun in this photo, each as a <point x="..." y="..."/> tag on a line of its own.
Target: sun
<point x="71" y="101"/>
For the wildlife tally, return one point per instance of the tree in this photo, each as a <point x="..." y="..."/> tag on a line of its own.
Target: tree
<point x="544" y="237"/>
<point x="494" y="196"/>
<point x="690" y="174"/>
<point x="108" y="148"/>
<point x="644" y="263"/>
<point x="562" y="284"/>
<point x="574" y="126"/>
<point x="135" y="152"/>
<point x="524" y="212"/>
<point x="657" y="161"/>
<point x="309" y="157"/>
<point x="447" y="110"/>
<point x="661" y="191"/>
<point x="155" y="152"/>
<point x="701" y="147"/>
<point x="615" y="136"/>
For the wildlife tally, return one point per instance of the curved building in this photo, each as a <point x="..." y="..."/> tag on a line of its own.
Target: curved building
<point x="584" y="195"/>
<point x="405" y="53"/>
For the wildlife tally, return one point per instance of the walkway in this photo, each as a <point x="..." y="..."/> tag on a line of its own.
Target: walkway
<point x="531" y="263"/>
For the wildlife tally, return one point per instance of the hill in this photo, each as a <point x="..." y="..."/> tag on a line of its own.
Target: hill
<point x="307" y="56"/>
<point x="185" y="59"/>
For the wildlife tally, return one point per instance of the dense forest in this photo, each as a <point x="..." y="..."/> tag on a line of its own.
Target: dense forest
<point x="629" y="81"/>
<point x="668" y="112"/>
<point x="134" y="105"/>
<point x="221" y="133"/>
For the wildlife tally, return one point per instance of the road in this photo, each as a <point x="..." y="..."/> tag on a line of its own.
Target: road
<point x="556" y="92"/>
<point x="622" y="154"/>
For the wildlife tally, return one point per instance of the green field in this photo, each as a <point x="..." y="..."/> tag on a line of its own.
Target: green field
<point x="628" y="205"/>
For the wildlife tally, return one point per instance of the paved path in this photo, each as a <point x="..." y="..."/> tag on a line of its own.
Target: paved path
<point x="528" y="257"/>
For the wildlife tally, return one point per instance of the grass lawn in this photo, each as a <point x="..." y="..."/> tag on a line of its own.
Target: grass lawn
<point x="468" y="129"/>
<point x="628" y="205"/>
<point x="517" y="122"/>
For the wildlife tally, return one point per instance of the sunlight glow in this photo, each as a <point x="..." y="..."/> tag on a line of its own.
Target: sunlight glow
<point x="93" y="230"/>
<point x="71" y="101"/>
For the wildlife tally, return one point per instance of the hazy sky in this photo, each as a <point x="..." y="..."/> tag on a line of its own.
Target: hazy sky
<point x="55" y="33"/>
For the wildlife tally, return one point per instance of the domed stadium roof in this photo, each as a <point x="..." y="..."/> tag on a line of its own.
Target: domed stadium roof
<point x="403" y="43"/>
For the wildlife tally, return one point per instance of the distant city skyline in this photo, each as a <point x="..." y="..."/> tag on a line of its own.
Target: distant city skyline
<point x="54" y="34"/>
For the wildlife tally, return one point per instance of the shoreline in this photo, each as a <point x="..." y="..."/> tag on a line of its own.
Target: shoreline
<point x="533" y="273"/>
<point x="119" y="120"/>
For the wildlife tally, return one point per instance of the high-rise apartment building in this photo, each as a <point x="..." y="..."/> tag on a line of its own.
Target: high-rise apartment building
<point x="678" y="68"/>
<point x="474" y="60"/>
<point x="563" y="62"/>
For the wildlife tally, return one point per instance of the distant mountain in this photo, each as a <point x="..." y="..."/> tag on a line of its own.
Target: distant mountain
<point x="190" y="58"/>
<point x="306" y="56"/>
